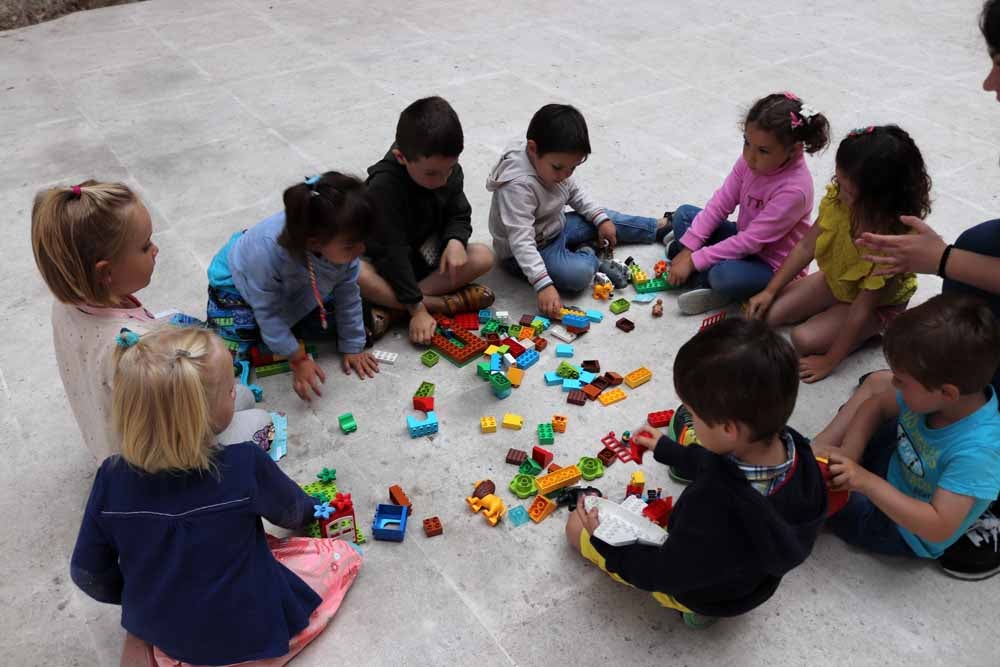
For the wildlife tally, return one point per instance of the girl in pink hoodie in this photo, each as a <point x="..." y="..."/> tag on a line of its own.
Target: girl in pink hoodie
<point x="770" y="182"/>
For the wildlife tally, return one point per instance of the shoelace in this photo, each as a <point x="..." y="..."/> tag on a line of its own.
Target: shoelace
<point x="985" y="529"/>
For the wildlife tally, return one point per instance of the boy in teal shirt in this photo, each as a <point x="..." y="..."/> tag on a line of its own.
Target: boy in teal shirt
<point x="929" y="452"/>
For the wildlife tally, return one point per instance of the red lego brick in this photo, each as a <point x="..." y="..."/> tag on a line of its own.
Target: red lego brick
<point x="516" y="456"/>
<point x="660" y="419"/>
<point x="606" y="456"/>
<point x="472" y="345"/>
<point x="637" y="451"/>
<point x="514" y="347"/>
<point x="540" y="343"/>
<point x="576" y="397"/>
<point x="579" y="331"/>
<point x="467" y="321"/>
<point x="553" y="467"/>
<point x="712" y="319"/>
<point x="432" y="526"/>
<point x="658" y="511"/>
<point x="423" y="403"/>
<point x="625" y="324"/>
<point x="591" y="391"/>
<point x="600" y="382"/>
<point x="591" y="366"/>
<point x="615" y="445"/>
<point x="526" y="320"/>
<point x="399" y="497"/>
<point x="543" y="456"/>
<point x="492" y="338"/>
<point x="614" y="379"/>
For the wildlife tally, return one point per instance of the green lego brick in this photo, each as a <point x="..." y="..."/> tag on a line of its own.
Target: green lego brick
<point x="590" y="468"/>
<point x="523" y="486"/>
<point x="653" y="285"/>
<point x="312" y="530"/>
<point x="490" y="327"/>
<point x="567" y="371"/>
<point x="483" y="370"/>
<point x="546" y="435"/>
<point x="499" y="382"/>
<point x="429" y="358"/>
<point x="503" y="349"/>
<point x="619" y="306"/>
<point x="273" y="369"/>
<point x="425" y="389"/>
<point x="531" y="467"/>
<point x="347" y="423"/>
<point x="513" y="330"/>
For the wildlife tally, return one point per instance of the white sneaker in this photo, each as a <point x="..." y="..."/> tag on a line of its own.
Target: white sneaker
<point x="668" y="238"/>
<point x="696" y="301"/>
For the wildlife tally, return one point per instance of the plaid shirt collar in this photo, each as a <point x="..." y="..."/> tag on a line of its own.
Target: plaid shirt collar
<point x="767" y="479"/>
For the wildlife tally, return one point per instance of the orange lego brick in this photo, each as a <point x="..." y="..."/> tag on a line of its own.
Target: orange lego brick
<point x="540" y="508"/>
<point x="525" y="333"/>
<point x="540" y="343"/>
<point x="516" y="376"/>
<point x="611" y="396"/>
<point x="557" y="480"/>
<point x="399" y="497"/>
<point x="639" y="376"/>
<point x="591" y="391"/>
<point x="559" y="423"/>
<point x="432" y="526"/>
<point x="553" y="467"/>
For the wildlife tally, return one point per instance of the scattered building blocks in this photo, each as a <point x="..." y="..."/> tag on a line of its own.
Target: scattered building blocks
<point x="488" y="424"/>
<point x="491" y="350"/>
<point x="527" y="343"/>
<point x="483" y="370"/>
<point x="512" y="421"/>
<point x="276" y="368"/>
<point x="636" y="484"/>
<point x="509" y="361"/>
<point x="601" y="382"/>
<point x="576" y="397"/>
<point x="542" y="456"/>
<point x="658" y="510"/>
<point x="527" y="359"/>
<point x="523" y="486"/>
<point x="432" y="526"/>
<point x="576" y="321"/>
<point x="516" y="456"/>
<point x="564" y="350"/>
<point x="526" y="320"/>
<point x="660" y="268"/>
<point x="515" y="376"/>
<point x="554" y="481"/>
<point x="620" y="449"/>
<point x="639" y="376"/>
<point x="567" y="370"/>
<point x="502" y="316"/>
<point x="389" y="523"/>
<point x="335" y="518"/>
<point x="485" y="315"/>
<point x="546" y="434"/>
<point x="419" y="428"/>
<point x="460" y="346"/>
<point x="660" y="419"/>
<point x="611" y="396"/>
<point x="347" y="423"/>
<point x="517" y="515"/>
<point x="515" y="348"/>
<point x="607" y="457"/>
<point x="423" y="403"/>
<point x="590" y="468"/>
<point x="540" y="343"/>
<point x="540" y="508"/>
<point x="586" y="377"/>
<point x="429" y="358"/>
<point x="399" y="497"/>
<point x="712" y="319"/>
<point x="560" y="332"/>
<point x="490" y="505"/>
<point x="654" y="285"/>
<point x="467" y="321"/>
<point x="591" y="391"/>
<point x="500" y="385"/>
<point x="614" y="379"/>
<point x="258" y="393"/>
<point x="571" y="385"/>
<point x="595" y="315"/>
<point x="514" y="330"/>
<point x="553" y="467"/>
<point x="496" y="363"/>
<point x="384" y="357"/>
<point x="619" y="306"/>
<point x="552" y="378"/>
<point x="591" y="366"/>
<point x="425" y="389"/>
<point x="603" y="291"/>
<point x="529" y="467"/>
<point x="635" y="449"/>
<point x="525" y="334"/>
<point x="559" y="423"/>
<point x="541" y="323"/>
<point x="490" y="328"/>
<point x="483" y="488"/>
<point x="625" y="324"/>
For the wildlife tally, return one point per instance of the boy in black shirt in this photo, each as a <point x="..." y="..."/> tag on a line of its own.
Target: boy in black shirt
<point x="420" y="260"/>
<point x="757" y="498"/>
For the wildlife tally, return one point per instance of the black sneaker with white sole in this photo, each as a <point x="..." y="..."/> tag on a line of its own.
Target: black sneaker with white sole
<point x="976" y="555"/>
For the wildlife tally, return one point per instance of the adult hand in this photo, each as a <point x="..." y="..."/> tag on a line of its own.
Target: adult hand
<point x="306" y="375"/>
<point x="681" y="268"/>
<point x="549" y="303"/>
<point x="453" y="259"/>
<point x="759" y="304"/>
<point x="362" y="363"/>
<point x="422" y="327"/>
<point x="917" y="252"/>
<point x="606" y="231"/>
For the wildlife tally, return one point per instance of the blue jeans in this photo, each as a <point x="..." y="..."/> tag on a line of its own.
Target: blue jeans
<point x="739" y="279"/>
<point x="860" y="522"/>
<point x="983" y="239"/>
<point x="572" y="270"/>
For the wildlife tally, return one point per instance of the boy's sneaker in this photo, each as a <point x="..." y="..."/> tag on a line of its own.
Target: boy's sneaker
<point x="976" y="555"/>
<point x="681" y="431"/>
<point x="697" y="621"/>
<point x="700" y="300"/>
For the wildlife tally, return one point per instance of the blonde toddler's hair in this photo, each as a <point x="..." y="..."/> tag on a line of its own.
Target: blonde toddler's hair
<point x="164" y="388"/>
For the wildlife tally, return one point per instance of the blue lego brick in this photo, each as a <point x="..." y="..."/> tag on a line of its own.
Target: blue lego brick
<point x="542" y="321"/>
<point x="428" y="426"/>
<point x="595" y="315"/>
<point x="389" y="523"/>
<point x="587" y="377"/>
<point x="517" y="515"/>
<point x="485" y="315"/>
<point x="496" y="363"/>
<point x="552" y="378"/>
<point x="527" y="359"/>
<point x="571" y="385"/>
<point x="564" y="350"/>
<point x="579" y="321"/>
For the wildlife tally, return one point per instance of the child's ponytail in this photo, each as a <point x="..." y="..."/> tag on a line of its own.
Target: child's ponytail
<point x="791" y="121"/>
<point x="163" y="392"/>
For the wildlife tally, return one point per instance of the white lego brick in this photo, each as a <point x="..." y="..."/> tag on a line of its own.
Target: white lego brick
<point x="559" y="331"/>
<point x="385" y="357"/>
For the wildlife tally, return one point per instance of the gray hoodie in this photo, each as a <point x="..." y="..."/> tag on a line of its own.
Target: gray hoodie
<point x="525" y="215"/>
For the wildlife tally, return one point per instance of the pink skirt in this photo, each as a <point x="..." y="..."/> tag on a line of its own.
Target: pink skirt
<point x="328" y="566"/>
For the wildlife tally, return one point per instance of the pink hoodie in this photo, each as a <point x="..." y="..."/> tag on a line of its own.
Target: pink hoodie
<point x="774" y="215"/>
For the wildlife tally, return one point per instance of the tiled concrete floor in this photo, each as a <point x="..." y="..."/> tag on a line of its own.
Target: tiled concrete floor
<point x="210" y="108"/>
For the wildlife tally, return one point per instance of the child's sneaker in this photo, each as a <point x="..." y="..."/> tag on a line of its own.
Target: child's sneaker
<point x="976" y="555"/>
<point x="681" y="431"/>
<point x="697" y="621"/>
<point x="701" y="300"/>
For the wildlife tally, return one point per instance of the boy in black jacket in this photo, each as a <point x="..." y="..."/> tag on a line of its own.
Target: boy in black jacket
<point x="420" y="260"/>
<point x="757" y="498"/>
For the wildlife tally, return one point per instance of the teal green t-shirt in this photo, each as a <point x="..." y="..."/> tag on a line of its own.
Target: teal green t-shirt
<point x="963" y="457"/>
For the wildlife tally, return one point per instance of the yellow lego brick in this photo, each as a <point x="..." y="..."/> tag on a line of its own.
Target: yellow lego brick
<point x="639" y="276"/>
<point x="637" y="478"/>
<point x="639" y="376"/>
<point x="491" y="350"/>
<point x="515" y="375"/>
<point x="559" y="423"/>
<point x="488" y="424"/>
<point x="540" y="508"/>
<point x="611" y="396"/>
<point x="510" y="420"/>
<point x="557" y="480"/>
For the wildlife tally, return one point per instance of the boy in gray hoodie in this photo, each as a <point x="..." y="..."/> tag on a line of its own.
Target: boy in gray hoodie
<point x="531" y="185"/>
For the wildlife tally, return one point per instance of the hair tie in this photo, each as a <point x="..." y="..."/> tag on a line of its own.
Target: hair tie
<point x="861" y="130"/>
<point x="126" y="339"/>
<point x="311" y="181"/>
<point x="178" y="353"/>
<point x="796" y="121"/>
<point x="790" y="95"/>
<point x="76" y="190"/>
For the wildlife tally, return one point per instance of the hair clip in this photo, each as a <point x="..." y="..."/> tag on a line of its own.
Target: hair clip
<point x="178" y="352"/>
<point x="126" y="338"/>
<point x="861" y="130"/>
<point x="796" y="121"/>
<point x="76" y="190"/>
<point x="792" y="96"/>
<point x="807" y="112"/>
<point x="311" y="181"/>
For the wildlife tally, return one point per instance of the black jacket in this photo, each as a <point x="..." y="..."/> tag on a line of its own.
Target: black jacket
<point x="410" y="215"/>
<point x="729" y="545"/>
